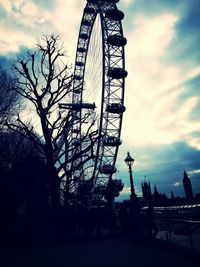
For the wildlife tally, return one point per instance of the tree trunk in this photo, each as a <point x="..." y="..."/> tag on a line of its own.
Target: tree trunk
<point x="54" y="186"/>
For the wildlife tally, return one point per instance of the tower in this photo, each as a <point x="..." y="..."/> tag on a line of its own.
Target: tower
<point x="146" y="190"/>
<point x="187" y="187"/>
<point x="156" y="194"/>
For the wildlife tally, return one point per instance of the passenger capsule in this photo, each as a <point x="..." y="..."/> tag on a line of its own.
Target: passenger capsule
<point x="111" y="1"/>
<point x="79" y="63"/>
<point x="75" y="130"/>
<point x="89" y="10"/>
<point x="114" y="14"/>
<point x="86" y="22"/>
<point x="116" y="108"/>
<point x="77" y="77"/>
<point x="107" y="169"/>
<point x="83" y="36"/>
<point x="77" y="91"/>
<point x="76" y="143"/>
<point x="112" y="141"/>
<point x="117" y="73"/>
<point x="81" y="50"/>
<point x="116" y="40"/>
<point x="93" y="1"/>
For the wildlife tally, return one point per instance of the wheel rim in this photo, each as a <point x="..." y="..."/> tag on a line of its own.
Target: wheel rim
<point x="110" y="107"/>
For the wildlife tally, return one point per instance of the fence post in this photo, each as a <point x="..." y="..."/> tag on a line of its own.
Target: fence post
<point x="190" y="237"/>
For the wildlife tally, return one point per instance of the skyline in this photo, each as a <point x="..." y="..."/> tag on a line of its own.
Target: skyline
<point x="161" y="127"/>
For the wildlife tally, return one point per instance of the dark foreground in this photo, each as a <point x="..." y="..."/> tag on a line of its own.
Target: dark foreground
<point x="108" y="252"/>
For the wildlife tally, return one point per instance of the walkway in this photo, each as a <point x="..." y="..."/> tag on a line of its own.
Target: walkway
<point x="113" y="252"/>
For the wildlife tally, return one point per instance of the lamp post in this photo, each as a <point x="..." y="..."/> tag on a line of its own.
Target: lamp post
<point x="133" y="199"/>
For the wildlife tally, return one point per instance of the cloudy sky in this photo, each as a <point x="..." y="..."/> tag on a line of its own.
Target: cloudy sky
<point x="161" y="126"/>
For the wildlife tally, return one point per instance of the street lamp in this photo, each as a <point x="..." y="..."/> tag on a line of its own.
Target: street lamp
<point x="129" y="162"/>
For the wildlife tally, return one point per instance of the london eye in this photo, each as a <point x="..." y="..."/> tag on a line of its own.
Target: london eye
<point x="98" y="91"/>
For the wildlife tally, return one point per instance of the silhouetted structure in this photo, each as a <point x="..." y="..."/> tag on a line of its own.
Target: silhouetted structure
<point x="187" y="187"/>
<point x="160" y="199"/>
<point x="146" y="191"/>
<point x="156" y="194"/>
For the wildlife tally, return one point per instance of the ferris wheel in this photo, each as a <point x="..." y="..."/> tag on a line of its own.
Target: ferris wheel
<point x="98" y="90"/>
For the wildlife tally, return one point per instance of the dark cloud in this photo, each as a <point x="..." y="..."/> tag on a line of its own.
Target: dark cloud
<point x="164" y="165"/>
<point x="153" y="8"/>
<point x="190" y="89"/>
<point x="156" y="8"/>
<point x="6" y="62"/>
<point x="193" y="84"/>
<point x="139" y="7"/>
<point x="184" y="48"/>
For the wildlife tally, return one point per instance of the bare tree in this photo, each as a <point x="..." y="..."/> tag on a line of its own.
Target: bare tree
<point x="9" y="99"/>
<point x="44" y="80"/>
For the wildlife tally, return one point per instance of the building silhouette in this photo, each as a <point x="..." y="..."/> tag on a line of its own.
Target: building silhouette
<point x="146" y="191"/>
<point x="156" y="194"/>
<point x="156" y="198"/>
<point x="187" y="187"/>
<point x="161" y="199"/>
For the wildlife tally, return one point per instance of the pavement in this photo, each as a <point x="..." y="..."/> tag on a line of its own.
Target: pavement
<point x="108" y="252"/>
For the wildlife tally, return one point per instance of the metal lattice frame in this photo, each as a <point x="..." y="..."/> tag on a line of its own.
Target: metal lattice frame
<point x="112" y="97"/>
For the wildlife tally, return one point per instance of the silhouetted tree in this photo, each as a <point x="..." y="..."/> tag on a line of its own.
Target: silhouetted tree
<point x="19" y="160"/>
<point x="9" y="99"/>
<point x="44" y="80"/>
<point x="22" y="183"/>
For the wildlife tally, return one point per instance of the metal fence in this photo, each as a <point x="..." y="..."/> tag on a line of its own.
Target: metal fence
<point x="180" y="232"/>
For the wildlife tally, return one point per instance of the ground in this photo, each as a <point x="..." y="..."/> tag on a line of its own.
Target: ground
<point x="99" y="253"/>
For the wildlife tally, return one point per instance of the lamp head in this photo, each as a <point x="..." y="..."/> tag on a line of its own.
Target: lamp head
<point x="129" y="160"/>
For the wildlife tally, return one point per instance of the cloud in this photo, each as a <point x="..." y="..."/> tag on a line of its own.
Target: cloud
<point x="185" y="47"/>
<point x="194" y="171"/>
<point x="147" y="76"/>
<point x="25" y="13"/>
<point x="11" y="40"/>
<point x="177" y="184"/>
<point x="154" y="88"/>
<point x="126" y="190"/>
<point x="26" y="20"/>
<point x="6" y="62"/>
<point x="153" y="35"/>
<point x="43" y="3"/>
<point x="127" y="2"/>
<point x="125" y="193"/>
<point x="6" y="5"/>
<point x="21" y="21"/>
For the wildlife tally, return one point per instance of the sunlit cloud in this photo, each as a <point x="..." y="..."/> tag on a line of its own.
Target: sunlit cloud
<point x="7" y="5"/>
<point x="192" y="73"/>
<point x="153" y="88"/>
<point x="126" y="190"/>
<point x="194" y="171"/>
<point x="152" y="35"/>
<point x="11" y="40"/>
<point x="127" y="2"/>
<point x="27" y="21"/>
<point x="177" y="184"/>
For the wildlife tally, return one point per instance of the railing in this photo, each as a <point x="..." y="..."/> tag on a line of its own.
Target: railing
<point x="181" y="232"/>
